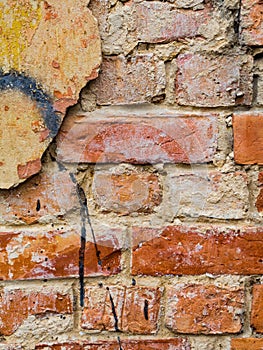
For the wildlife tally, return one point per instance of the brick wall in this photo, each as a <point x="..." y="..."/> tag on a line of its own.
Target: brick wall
<point x="143" y="229"/>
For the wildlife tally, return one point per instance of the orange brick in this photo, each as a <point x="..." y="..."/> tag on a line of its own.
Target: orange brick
<point x="17" y="305"/>
<point x="248" y="138"/>
<point x="257" y="309"/>
<point x="126" y="192"/>
<point x="247" y="344"/>
<point x="204" y="309"/>
<point x="137" y="309"/>
<point x="182" y="250"/>
<point x="27" y="255"/>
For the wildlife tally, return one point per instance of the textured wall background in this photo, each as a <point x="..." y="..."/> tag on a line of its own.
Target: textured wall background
<point x="144" y="228"/>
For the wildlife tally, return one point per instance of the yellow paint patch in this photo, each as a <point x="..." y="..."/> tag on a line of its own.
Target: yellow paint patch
<point x="18" y="23"/>
<point x="21" y="141"/>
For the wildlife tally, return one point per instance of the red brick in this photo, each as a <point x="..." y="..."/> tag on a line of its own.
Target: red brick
<point x="248" y="138"/>
<point x="197" y="250"/>
<point x="204" y="309"/>
<point x="17" y="305"/>
<point x="214" y="81"/>
<point x="150" y="137"/>
<point x="158" y="22"/>
<point x="134" y="80"/>
<point x="257" y="309"/>
<point x="126" y="192"/>
<point x="158" y="344"/>
<point x="247" y="344"/>
<point x="48" y="196"/>
<point x="252" y="22"/>
<point x="259" y="200"/>
<point x="38" y="255"/>
<point x="199" y="192"/>
<point x="137" y="309"/>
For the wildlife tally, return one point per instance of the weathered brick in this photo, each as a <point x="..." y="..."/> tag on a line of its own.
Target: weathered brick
<point x="45" y="197"/>
<point x="143" y="75"/>
<point x="257" y="308"/>
<point x="259" y="200"/>
<point x="113" y="136"/>
<point x="248" y="138"/>
<point x="193" y="251"/>
<point x="252" y="22"/>
<point x="153" y="344"/>
<point x="201" y="192"/>
<point x="247" y="343"/>
<point x="52" y="254"/>
<point x="204" y="309"/>
<point x="137" y="309"/>
<point x="214" y="81"/>
<point x="17" y="305"/>
<point x="126" y="192"/>
<point x="158" y="22"/>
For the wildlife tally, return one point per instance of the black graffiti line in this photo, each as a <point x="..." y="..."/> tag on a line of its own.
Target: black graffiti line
<point x="113" y="309"/>
<point x="84" y="214"/>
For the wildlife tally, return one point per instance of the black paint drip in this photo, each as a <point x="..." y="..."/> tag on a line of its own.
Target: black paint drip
<point x="146" y="310"/>
<point x="84" y="214"/>
<point x="38" y="207"/>
<point x="113" y="309"/>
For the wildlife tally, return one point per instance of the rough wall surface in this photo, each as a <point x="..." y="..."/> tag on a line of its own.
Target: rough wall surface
<point x="143" y="229"/>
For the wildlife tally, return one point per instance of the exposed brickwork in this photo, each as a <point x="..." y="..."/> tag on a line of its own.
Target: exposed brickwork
<point x="137" y="309"/>
<point x="140" y="140"/>
<point x="213" y="81"/>
<point x="162" y="344"/>
<point x="257" y="309"/>
<point x="204" y="193"/>
<point x="51" y="254"/>
<point x="158" y="22"/>
<point x="119" y="77"/>
<point x="204" y="309"/>
<point x="252" y="22"/>
<point x="193" y="251"/>
<point x="245" y="344"/>
<point x="47" y="196"/>
<point x="143" y="229"/>
<point x="17" y="305"/>
<point x="259" y="201"/>
<point x="126" y="192"/>
<point x="248" y="138"/>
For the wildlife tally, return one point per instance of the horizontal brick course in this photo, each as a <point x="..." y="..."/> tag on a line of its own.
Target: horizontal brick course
<point x="147" y="137"/>
<point x="158" y="344"/>
<point x="194" y="251"/>
<point x="52" y="254"/>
